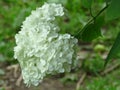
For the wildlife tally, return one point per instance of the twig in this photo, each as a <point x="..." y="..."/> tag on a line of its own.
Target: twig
<point x="80" y="81"/>
<point x="91" y="12"/>
<point x="110" y="69"/>
<point x="19" y="80"/>
<point x="15" y="68"/>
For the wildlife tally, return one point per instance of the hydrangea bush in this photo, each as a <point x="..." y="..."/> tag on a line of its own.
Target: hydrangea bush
<point x="41" y="49"/>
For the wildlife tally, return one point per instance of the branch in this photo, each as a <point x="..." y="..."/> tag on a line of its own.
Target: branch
<point x="80" y="81"/>
<point x="91" y="20"/>
<point x="110" y="69"/>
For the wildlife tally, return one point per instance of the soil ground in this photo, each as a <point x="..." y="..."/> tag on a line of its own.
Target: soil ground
<point x="12" y="80"/>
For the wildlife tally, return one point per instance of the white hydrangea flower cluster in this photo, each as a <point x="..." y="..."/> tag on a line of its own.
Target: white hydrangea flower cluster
<point x="40" y="49"/>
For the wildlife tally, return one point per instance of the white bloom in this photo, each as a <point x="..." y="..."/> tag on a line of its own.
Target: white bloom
<point x="40" y="49"/>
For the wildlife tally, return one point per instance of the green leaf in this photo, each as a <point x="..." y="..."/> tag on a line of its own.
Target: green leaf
<point x="87" y="3"/>
<point x="92" y="31"/>
<point x="115" y="50"/>
<point x="113" y="11"/>
<point x="108" y="1"/>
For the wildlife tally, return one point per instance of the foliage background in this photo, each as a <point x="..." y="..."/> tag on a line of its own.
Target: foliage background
<point x="92" y="53"/>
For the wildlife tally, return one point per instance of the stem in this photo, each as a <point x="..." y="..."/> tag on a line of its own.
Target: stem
<point x="91" y="20"/>
<point x="91" y="12"/>
<point x="101" y="11"/>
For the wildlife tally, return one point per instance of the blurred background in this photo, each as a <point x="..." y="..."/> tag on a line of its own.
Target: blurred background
<point x="89" y="75"/>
